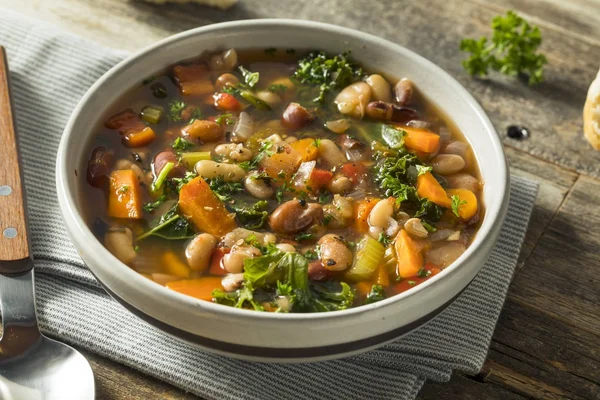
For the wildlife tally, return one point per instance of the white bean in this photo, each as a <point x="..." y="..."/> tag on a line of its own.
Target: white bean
<point x="446" y="164"/>
<point x="235" y="152"/>
<point x="340" y="184"/>
<point x="286" y="247"/>
<point x="212" y="169"/>
<point x="199" y="251"/>
<point x="353" y="99"/>
<point x="272" y="99"/>
<point x="234" y="260"/>
<point x="415" y="228"/>
<point x="232" y="282"/>
<point x="119" y="241"/>
<point x="463" y="181"/>
<point x="338" y="126"/>
<point x="330" y="153"/>
<point x="380" y="88"/>
<point x="381" y="213"/>
<point x="257" y="187"/>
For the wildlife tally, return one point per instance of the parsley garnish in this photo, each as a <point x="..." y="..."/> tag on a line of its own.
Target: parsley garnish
<point x="224" y="190"/>
<point x="424" y="273"/>
<point x="423" y="169"/>
<point x="456" y="203"/>
<point x="149" y="207"/>
<point x="411" y="283"/>
<point x="251" y="78"/>
<point x="430" y="228"/>
<point x="512" y="51"/>
<point x="384" y="239"/>
<point x="177" y="183"/>
<point x="196" y="114"/>
<point x="124" y="189"/>
<point x="303" y="236"/>
<point x="175" y="109"/>
<point x="182" y="144"/>
<point x="377" y="293"/>
<point x="227" y="118"/>
<point x="327" y="219"/>
<point x="264" y="151"/>
<point x="277" y="88"/>
<point x="325" y="197"/>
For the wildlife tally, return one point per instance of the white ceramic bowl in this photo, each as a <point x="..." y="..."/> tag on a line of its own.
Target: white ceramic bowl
<point x="270" y="336"/>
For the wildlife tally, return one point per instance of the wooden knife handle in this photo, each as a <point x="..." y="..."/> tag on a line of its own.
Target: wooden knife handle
<point x="14" y="236"/>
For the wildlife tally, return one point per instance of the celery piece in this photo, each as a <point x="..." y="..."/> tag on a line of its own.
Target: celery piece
<point x="190" y="159"/>
<point x="151" y="114"/>
<point x="253" y="100"/>
<point x="367" y="259"/>
<point x="162" y="176"/>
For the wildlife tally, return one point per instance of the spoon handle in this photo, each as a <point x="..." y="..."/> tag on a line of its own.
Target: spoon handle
<point x="14" y="236"/>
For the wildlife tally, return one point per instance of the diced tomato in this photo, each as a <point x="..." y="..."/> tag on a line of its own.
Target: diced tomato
<point x="216" y="268"/>
<point x="226" y="102"/>
<point x="411" y="282"/>
<point x="355" y="171"/>
<point x="320" y="178"/>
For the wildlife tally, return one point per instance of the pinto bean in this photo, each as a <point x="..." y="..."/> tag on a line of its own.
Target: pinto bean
<point x="341" y="211"/>
<point x="403" y="92"/>
<point x="380" y="110"/>
<point x="207" y="131"/>
<point x="380" y="88"/>
<point x="294" y="216"/>
<point x="317" y="272"/>
<point x="99" y="166"/>
<point x="446" y="164"/>
<point x="164" y="157"/>
<point x="212" y="169"/>
<point x="199" y="251"/>
<point x="335" y="255"/>
<point x="339" y="184"/>
<point x="225" y="80"/>
<point x="295" y="117"/>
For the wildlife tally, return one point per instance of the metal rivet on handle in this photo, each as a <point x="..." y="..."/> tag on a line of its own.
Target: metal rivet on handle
<point x="10" y="233"/>
<point x="5" y="190"/>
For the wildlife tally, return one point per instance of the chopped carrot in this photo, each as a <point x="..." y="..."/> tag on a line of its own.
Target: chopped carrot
<point x="307" y="148"/>
<point x="362" y="209"/>
<point x="363" y="288"/>
<point x="200" y="288"/>
<point x="206" y="212"/>
<point x="410" y="259"/>
<point x="174" y="266"/>
<point x="216" y="268"/>
<point x="283" y="163"/>
<point x="193" y="80"/>
<point x="382" y="276"/>
<point x="139" y="138"/>
<point x="420" y="139"/>
<point x="124" y="199"/>
<point x="407" y="284"/>
<point x="429" y="188"/>
<point x="319" y="178"/>
<point x="226" y="102"/>
<point x="467" y="206"/>
<point x="354" y="171"/>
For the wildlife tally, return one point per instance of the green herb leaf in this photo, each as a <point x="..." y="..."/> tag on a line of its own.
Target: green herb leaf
<point x="264" y="151"/>
<point x="182" y="144"/>
<point x="430" y="228"/>
<point x="224" y="190"/>
<point x="177" y="183"/>
<point x="377" y="293"/>
<point x="513" y="49"/>
<point x="277" y="88"/>
<point x="175" y="109"/>
<point x="422" y="169"/>
<point x="424" y="273"/>
<point x="393" y="137"/>
<point x="251" y="78"/>
<point x="170" y="226"/>
<point x="456" y="203"/>
<point x="225" y="118"/>
<point x="252" y="217"/>
<point x="303" y="236"/>
<point x="149" y="207"/>
<point x="384" y="239"/>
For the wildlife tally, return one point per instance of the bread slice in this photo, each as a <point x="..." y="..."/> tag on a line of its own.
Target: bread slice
<point x="222" y="4"/>
<point x="591" y="114"/>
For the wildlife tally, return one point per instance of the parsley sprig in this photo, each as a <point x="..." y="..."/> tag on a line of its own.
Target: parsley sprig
<point x="513" y="49"/>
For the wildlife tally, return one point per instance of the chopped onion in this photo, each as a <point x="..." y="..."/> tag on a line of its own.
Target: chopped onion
<point x="303" y="174"/>
<point x="440" y="234"/>
<point x="355" y="155"/>
<point x="244" y="128"/>
<point x="417" y="123"/>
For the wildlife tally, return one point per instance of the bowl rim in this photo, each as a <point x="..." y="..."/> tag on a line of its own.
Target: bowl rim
<point x="85" y="239"/>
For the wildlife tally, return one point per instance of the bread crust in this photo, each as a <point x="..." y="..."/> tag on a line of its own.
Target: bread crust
<point x="591" y="114"/>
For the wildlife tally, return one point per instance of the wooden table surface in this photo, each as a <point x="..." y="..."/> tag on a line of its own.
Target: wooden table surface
<point x="547" y="341"/>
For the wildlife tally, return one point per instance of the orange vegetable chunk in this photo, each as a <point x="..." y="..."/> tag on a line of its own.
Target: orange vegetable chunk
<point x="410" y="259"/>
<point x="203" y="209"/>
<point x="193" y="80"/>
<point x="468" y="202"/>
<point x="124" y="198"/>
<point x="363" y="288"/>
<point x="382" y="276"/>
<point x="429" y="188"/>
<point x="420" y="139"/>
<point x="320" y="178"/>
<point x="200" y="288"/>
<point x="307" y="149"/>
<point x="139" y="138"/>
<point x="286" y="162"/>
<point x="362" y="209"/>
<point x="174" y="266"/>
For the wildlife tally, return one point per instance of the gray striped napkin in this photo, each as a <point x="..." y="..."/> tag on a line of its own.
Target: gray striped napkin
<point x="50" y="71"/>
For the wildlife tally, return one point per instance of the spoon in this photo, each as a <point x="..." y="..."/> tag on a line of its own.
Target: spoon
<point x="32" y="366"/>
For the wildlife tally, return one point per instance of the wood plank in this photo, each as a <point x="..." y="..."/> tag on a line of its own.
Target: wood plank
<point x="465" y="388"/>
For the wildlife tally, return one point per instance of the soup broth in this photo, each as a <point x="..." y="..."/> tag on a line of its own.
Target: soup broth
<point x="282" y="182"/>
